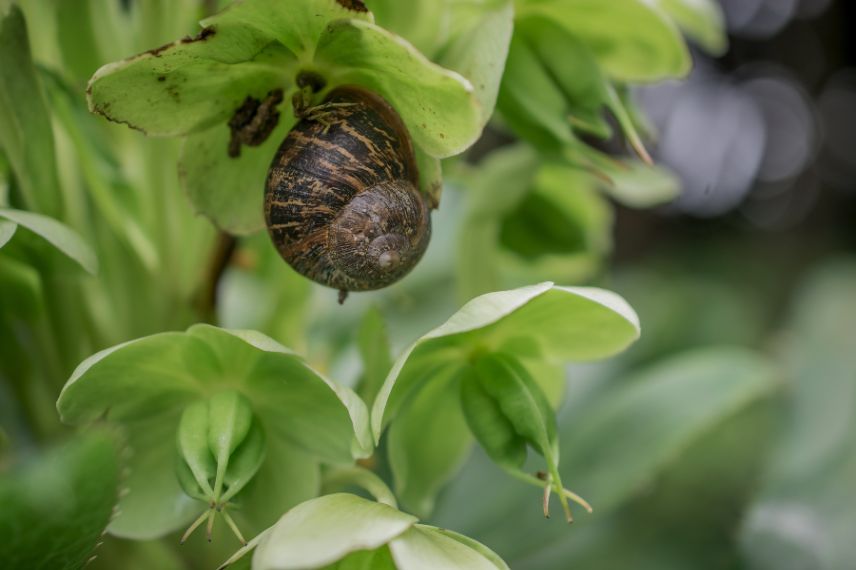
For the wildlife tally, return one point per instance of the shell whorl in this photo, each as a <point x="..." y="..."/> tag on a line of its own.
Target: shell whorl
<point x="342" y="203"/>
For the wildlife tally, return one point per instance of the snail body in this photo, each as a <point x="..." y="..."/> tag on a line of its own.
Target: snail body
<point x="342" y="199"/>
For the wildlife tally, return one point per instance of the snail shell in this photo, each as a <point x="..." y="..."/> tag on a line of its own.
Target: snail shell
<point x="342" y="203"/>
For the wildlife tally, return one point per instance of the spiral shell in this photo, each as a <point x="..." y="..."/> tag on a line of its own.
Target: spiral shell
<point x="342" y="203"/>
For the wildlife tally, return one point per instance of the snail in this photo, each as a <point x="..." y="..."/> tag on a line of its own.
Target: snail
<point x="342" y="201"/>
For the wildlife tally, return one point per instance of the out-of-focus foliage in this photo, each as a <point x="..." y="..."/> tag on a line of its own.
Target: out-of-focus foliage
<point x="56" y="505"/>
<point x="801" y="517"/>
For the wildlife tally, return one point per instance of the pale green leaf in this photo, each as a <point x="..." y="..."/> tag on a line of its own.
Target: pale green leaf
<point x="438" y="106"/>
<point x="427" y="444"/>
<point x="154" y="503"/>
<point x="423" y="23"/>
<point x="426" y="548"/>
<point x="57" y="234"/>
<point x="492" y="556"/>
<point x="324" y="530"/>
<point x="639" y="185"/>
<point x="479" y="53"/>
<point x="297" y="27"/>
<point x="192" y="84"/>
<point x="229" y="191"/>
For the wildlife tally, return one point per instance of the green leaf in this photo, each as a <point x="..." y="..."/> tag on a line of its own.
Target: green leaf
<point x="427" y="548"/>
<point x="561" y="226"/>
<point x="493" y="430"/>
<point x="513" y="169"/>
<point x="438" y="106"/>
<point x="509" y="393"/>
<point x="630" y="39"/>
<point x="638" y="185"/>
<point x="192" y="84"/>
<point x="479" y="53"/>
<point x="575" y="73"/>
<point x="520" y="400"/>
<point x="324" y="530"/>
<point x="702" y="20"/>
<point x="802" y="515"/>
<point x="60" y="236"/>
<point x="530" y="102"/>
<point x="373" y="344"/>
<point x="229" y="191"/>
<point x="26" y="136"/>
<point x="193" y="450"/>
<point x="563" y="323"/>
<point x="56" y="506"/>
<point x="427" y="444"/>
<point x="155" y="503"/>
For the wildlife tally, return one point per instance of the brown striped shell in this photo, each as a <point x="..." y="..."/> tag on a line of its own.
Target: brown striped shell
<point x="342" y="203"/>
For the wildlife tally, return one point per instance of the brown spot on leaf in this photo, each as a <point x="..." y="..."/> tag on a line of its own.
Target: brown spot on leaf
<point x="355" y="5"/>
<point x="201" y="36"/>
<point x="161" y="78"/>
<point x="158" y="50"/>
<point x="254" y="121"/>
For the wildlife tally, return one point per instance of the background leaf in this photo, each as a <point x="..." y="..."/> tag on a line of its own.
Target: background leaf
<point x="799" y="518"/>
<point x="25" y="128"/>
<point x="60" y="236"/>
<point x="56" y="506"/>
<point x="630" y="39"/>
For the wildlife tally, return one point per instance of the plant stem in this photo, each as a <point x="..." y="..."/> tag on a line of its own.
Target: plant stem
<point x="224" y="249"/>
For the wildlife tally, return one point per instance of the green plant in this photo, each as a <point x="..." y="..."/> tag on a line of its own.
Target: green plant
<point x="132" y="310"/>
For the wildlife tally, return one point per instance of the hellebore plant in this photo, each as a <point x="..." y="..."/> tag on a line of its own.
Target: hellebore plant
<point x="216" y="421"/>
<point x="491" y="372"/>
